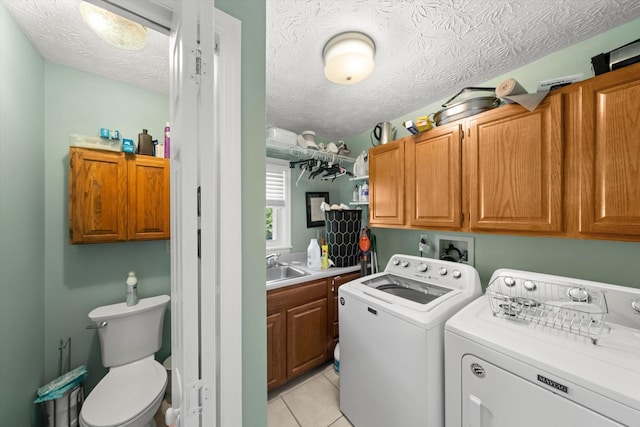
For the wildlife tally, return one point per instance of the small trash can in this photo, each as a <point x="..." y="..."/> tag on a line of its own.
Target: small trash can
<point x="343" y="233"/>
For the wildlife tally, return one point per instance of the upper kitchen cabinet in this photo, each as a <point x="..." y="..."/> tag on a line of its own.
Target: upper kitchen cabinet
<point x="387" y="184"/>
<point x="117" y="197"/>
<point x="608" y="136"/>
<point x="514" y="165"/>
<point x="433" y="164"/>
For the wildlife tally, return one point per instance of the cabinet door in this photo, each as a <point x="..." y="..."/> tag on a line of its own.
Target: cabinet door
<point x="149" y="201"/>
<point x="610" y="154"/>
<point x="333" y="326"/>
<point x="306" y="336"/>
<point x="515" y="168"/>
<point x="97" y="196"/>
<point x="275" y="350"/>
<point x="386" y="184"/>
<point x="434" y="178"/>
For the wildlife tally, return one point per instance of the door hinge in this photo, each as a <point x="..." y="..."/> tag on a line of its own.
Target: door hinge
<point x="198" y="393"/>
<point x="195" y="61"/>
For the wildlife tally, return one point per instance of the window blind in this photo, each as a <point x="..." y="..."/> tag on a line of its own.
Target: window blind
<point x="276" y="194"/>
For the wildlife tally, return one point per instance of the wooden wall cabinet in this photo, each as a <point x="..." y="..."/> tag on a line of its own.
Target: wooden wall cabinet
<point x="497" y="171"/>
<point x="514" y="165"/>
<point x="607" y="133"/>
<point x="433" y="167"/>
<point x="387" y="184"/>
<point x="117" y="197"/>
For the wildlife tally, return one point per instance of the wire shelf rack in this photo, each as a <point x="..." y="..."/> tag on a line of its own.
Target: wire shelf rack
<point x="573" y="309"/>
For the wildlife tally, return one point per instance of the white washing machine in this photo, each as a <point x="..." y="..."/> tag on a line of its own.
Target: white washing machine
<point x="391" y="340"/>
<point x="542" y="350"/>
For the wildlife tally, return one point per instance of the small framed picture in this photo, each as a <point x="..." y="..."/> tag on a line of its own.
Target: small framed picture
<point x="315" y="215"/>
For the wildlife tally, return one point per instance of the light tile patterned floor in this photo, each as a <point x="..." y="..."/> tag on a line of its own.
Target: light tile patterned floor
<point x="313" y="400"/>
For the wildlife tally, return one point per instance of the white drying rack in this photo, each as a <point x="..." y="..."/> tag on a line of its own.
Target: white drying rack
<point x="573" y="309"/>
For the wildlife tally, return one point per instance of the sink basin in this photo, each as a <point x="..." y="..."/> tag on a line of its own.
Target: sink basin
<point x="283" y="272"/>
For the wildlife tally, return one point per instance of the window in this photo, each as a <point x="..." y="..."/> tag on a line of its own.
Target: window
<point x="278" y="212"/>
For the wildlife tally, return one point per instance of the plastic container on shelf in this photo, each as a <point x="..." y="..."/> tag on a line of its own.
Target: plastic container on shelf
<point x="282" y="136"/>
<point x="95" y="142"/>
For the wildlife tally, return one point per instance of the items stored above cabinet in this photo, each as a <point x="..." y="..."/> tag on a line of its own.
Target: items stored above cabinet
<point x="565" y="169"/>
<point x="116" y="197"/>
<point x="292" y="152"/>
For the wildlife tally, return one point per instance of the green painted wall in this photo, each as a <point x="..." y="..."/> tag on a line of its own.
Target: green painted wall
<point x="301" y="235"/>
<point x="82" y="277"/>
<point x="22" y="230"/>
<point x="615" y="262"/>
<point x="253" y="123"/>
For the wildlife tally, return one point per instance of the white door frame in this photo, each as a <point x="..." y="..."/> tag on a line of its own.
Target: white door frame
<point x="205" y="153"/>
<point x="221" y="177"/>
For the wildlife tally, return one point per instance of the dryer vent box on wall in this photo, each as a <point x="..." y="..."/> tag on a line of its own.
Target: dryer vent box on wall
<point x="455" y="248"/>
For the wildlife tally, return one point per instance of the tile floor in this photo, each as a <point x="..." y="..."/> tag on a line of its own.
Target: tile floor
<point x="312" y="400"/>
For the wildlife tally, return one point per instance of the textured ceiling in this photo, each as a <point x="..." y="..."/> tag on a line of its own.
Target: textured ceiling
<point x="426" y="50"/>
<point x="57" y="31"/>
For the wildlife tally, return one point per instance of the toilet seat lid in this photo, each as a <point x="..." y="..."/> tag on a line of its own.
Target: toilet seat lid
<point x="124" y="393"/>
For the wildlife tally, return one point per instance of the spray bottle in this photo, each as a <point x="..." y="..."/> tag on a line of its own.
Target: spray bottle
<point x="132" y="289"/>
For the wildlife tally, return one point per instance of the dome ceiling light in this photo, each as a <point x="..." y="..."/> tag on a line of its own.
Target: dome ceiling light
<point x="114" y="29"/>
<point x="348" y="58"/>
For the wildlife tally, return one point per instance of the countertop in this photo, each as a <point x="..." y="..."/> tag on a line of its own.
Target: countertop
<point x="299" y="260"/>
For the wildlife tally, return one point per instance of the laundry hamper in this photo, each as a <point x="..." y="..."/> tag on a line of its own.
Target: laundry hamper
<point x="343" y="233"/>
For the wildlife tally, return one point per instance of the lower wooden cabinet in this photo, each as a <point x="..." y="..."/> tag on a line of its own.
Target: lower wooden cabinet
<point x="275" y="350"/>
<point x="306" y="337"/>
<point x="296" y="330"/>
<point x="302" y="327"/>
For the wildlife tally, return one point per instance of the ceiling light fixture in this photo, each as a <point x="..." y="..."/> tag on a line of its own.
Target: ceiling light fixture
<point x="348" y="58"/>
<point x="114" y="29"/>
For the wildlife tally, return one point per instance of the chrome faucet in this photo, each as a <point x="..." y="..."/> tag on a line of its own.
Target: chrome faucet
<point x="273" y="260"/>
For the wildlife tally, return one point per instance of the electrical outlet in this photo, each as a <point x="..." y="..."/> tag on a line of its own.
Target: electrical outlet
<point x="424" y="246"/>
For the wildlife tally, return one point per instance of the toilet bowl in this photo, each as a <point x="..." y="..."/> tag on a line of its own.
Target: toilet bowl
<point x="128" y="396"/>
<point x="131" y="392"/>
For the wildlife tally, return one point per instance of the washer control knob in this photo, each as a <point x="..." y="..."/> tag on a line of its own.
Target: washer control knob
<point x="509" y="281"/>
<point x="422" y="267"/>
<point x="529" y="285"/>
<point x="456" y="274"/>
<point x="395" y="261"/>
<point x="636" y="305"/>
<point x="442" y="271"/>
<point x="405" y="264"/>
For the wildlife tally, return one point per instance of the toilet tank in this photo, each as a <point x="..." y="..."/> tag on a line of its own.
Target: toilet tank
<point x="130" y="333"/>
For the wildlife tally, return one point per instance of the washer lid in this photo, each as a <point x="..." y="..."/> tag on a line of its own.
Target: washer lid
<point x="124" y="393"/>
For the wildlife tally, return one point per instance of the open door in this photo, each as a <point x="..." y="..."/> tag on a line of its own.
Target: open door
<point x="206" y="283"/>
<point x="206" y="250"/>
<point x="184" y="99"/>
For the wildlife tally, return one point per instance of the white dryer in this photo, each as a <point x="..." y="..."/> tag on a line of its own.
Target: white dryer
<point x="391" y="340"/>
<point x="542" y="350"/>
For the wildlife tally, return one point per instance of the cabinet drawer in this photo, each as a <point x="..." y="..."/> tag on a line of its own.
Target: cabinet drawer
<point x="290" y="296"/>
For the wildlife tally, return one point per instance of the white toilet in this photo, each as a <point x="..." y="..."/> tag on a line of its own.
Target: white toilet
<point x="131" y="392"/>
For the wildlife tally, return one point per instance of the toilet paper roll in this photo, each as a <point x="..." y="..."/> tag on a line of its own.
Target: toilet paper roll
<point x="509" y="87"/>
